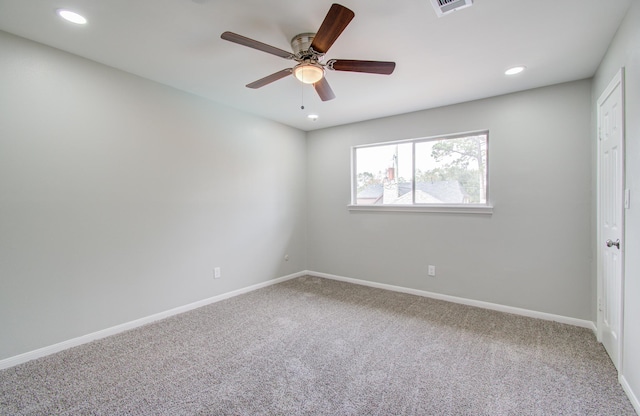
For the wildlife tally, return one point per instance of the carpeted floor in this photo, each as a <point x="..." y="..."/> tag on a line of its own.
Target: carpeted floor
<point x="312" y="346"/>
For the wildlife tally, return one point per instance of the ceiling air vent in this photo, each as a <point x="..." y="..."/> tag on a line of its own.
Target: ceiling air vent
<point x="447" y="6"/>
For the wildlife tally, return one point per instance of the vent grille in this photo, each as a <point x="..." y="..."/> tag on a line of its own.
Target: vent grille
<point x="443" y="7"/>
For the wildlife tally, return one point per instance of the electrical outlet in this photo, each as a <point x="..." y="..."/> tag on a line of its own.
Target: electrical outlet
<point x="432" y="270"/>
<point x="216" y="273"/>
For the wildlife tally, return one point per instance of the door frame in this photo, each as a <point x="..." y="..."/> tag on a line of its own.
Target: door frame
<point x="618" y="79"/>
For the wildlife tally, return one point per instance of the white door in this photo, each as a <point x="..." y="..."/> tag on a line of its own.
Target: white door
<point x="611" y="216"/>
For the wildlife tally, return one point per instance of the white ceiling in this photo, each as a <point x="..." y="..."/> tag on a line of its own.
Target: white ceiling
<point x="459" y="57"/>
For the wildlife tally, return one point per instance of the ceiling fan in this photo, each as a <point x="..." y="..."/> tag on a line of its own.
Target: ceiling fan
<point x="309" y="52"/>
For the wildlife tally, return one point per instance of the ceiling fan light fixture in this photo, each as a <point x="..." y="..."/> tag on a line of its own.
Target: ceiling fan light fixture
<point x="308" y="73"/>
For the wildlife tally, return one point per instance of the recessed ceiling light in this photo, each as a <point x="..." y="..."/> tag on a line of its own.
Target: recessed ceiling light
<point x="72" y="17"/>
<point x="515" y="70"/>
<point x="312" y="117"/>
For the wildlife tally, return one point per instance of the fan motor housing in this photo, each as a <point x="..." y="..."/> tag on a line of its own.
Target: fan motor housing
<point x="302" y="42"/>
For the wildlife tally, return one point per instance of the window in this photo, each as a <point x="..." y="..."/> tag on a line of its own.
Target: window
<point x="445" y="173"/>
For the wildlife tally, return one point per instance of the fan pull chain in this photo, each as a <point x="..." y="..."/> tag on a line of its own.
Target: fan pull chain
<point x="301" y="96"/>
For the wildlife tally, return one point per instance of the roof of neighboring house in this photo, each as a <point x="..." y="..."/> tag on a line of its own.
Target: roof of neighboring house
<point x="445" y="191"/>
<point x="421" y="197"/>
<point x="374" y="190"/>
<point x="426" y="192"/>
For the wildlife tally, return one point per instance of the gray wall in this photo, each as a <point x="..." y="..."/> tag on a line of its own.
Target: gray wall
<point x="119" y="196"/>
<point x="625" y="52"/>
<point x="534" y="252"/>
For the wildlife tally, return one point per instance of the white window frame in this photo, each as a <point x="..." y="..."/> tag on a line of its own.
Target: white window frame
<point x="486" y="208"/>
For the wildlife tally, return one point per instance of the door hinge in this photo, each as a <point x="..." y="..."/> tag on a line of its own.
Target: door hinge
<point x="600" y="304"/>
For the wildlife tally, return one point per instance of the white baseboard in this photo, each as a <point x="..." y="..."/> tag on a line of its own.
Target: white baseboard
<point x="464" y="301"/>
<point x="51" y="349"/>
<point x="630" y="394"/>
<point x="41" y="352"/>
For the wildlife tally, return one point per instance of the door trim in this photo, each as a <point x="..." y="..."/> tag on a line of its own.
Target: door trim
<point x="618" y="79"/>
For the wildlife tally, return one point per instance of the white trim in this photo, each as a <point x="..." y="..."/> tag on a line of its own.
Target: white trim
<point x="354" y="180"/>
<point x="52" y="349"/>
<point x="464" y="301"/>
<point x="627" y="389"/>
<point x="426" y="138"/>
<point x="441" y="208"/>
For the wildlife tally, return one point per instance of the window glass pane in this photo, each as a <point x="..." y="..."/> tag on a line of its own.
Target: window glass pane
<point x="384" y="174"/>
<point x="448" y="171"/>
<point x="452" y="171"/>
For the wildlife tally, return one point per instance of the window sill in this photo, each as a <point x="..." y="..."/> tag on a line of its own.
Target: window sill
<point x="446" y="209"/>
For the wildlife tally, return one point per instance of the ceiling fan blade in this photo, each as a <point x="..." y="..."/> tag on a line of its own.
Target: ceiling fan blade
<point x="245" y="41"/>
<point x="371" y="67"/>
<point x="334" y="23"/>
<point x="270" y="78"/>
<point x="324" y="90"/>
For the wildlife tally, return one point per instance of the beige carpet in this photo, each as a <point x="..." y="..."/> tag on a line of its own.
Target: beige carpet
<point x="312" y="346"/>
